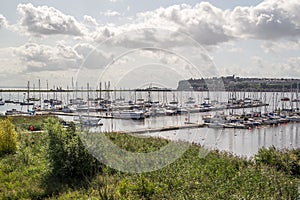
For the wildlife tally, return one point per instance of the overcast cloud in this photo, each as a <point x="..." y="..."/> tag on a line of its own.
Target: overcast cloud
<point x="272" y="19"/>
<point x="44" y="20"/>
<point x="273" y="25"/>
<point x="38" y="57"/>
<point x="209" y="25"/>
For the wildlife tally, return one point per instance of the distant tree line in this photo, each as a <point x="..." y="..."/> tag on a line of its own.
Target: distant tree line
<point x="232" y="83"/>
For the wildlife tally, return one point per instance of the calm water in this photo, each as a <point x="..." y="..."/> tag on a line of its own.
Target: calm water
<point x="239" y="142"/>
<point x="244" y="143"/>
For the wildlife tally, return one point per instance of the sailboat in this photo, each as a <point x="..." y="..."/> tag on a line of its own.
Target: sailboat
<point x="129" y="114"/>
<point x="17" y="101"/>
<point x="88" y="120"/>
<point x="26" y="103"/>
<point x="9" y="100"/>
<point x="2" y="103"/>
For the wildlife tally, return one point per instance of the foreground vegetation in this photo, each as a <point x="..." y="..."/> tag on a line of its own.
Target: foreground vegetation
<point x="53" y="165"/>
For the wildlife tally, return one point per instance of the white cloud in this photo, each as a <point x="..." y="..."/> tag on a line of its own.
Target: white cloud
<point x="207" y="24"/>
<point x="90" y="20"/>
<point x="3" y="21"/>
<point x="8" y="64"/>
<point x="102" y="33"/>
<point x="288" y="68"/>
<point x="93" y="58"/>
<point x="203" y="22"/>
<point x="276" y="23"/>
<point x="291" y="67"/>
<point x="37" y="57"/>
<point x="111" y="13"/>
<point x="279" y="46"/>
<point x="269" y="20"/>
<point x="44" y="20"/>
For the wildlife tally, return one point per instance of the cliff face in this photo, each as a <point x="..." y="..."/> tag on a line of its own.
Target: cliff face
<point x="232" y="83"/>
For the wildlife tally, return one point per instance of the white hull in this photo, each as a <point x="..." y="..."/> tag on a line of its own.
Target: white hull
<point x="128" y="114"/>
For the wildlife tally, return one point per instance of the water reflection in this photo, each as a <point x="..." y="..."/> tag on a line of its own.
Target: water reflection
<point x="239" y="142"/>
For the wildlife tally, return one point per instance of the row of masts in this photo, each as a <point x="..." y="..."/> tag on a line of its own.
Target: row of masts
<point x="104" y="92"/>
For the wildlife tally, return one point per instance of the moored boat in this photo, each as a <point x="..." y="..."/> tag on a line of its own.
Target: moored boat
<point x="129" y="114"/>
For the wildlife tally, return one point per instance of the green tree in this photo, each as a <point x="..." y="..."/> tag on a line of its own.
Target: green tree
<point x="8" y="137"/>
<point x="67" y="154"/>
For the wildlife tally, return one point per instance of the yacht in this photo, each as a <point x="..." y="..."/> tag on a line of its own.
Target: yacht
<point x="88" y="121"/>
<point x="129" y="114"/>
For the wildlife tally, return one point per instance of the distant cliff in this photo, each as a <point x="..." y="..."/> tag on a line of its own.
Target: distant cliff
<point x="232" y="83"/>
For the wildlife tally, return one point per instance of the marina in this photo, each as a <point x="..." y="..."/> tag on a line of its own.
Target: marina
<point x="150" y="100"/>
<point x="169" y="113"/>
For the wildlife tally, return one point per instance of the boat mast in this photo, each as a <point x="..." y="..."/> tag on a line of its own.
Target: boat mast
<point x="244" y="97"/>
<point x="134" y="97"/>
<point x="67" y="95"/>
<point x="76" y="88"/>
<point x="40" y="97"/>
<point x="108" y="86"/>
<point x="34" y="92"/>
<point x="265" y="102"/>
<point x="274" y="106"/>
<point x="73" y="89"/>
<point x="47" y="90"/>
<point x="88" y="97"/>
<point x="260" y="100"/>
<point x="297" y="96"/>
<point x="277" y="102"/>
<point x="115" y="93"/>
<point x="292" y="97"/>
<point x="61" y="96"/>
<point x="28" y="95"/>
<point x="105" y="89"/>
<point x="100" y="91"/>
<point x="282" y="96"/>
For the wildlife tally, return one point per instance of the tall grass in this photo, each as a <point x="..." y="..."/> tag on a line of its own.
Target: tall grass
<point x="28" y="173"/>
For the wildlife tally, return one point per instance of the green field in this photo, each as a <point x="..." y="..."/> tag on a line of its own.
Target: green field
<point x="33" y="172"/>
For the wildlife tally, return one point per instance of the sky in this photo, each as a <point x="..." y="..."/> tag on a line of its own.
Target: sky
<point x="139" y="43"/>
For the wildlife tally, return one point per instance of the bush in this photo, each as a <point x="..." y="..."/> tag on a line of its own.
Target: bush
<point x="68" y="156"/>
<point x="286" y="161"/>
<point x="8" y="137"/>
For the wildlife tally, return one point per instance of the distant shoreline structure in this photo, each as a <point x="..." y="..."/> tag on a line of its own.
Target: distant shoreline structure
<point x="223" y="83"/>
<point x="233" y="83"/>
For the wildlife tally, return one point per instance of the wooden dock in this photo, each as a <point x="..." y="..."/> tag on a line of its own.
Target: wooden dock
<point x="167" y="128"/>
<point x="108" y="116"/>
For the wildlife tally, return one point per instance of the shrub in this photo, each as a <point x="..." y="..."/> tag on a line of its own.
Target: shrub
<point x="8" y="137"/>
<point x="286" y="161"/>
<point x="67" y="154"/>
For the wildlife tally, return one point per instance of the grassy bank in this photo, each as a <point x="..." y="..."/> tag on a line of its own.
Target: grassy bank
<point x="28" y="174"/>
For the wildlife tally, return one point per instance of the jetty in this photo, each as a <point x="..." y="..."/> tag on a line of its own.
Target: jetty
<point x="167" y="128"/>
<point x="91" y="115"/>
